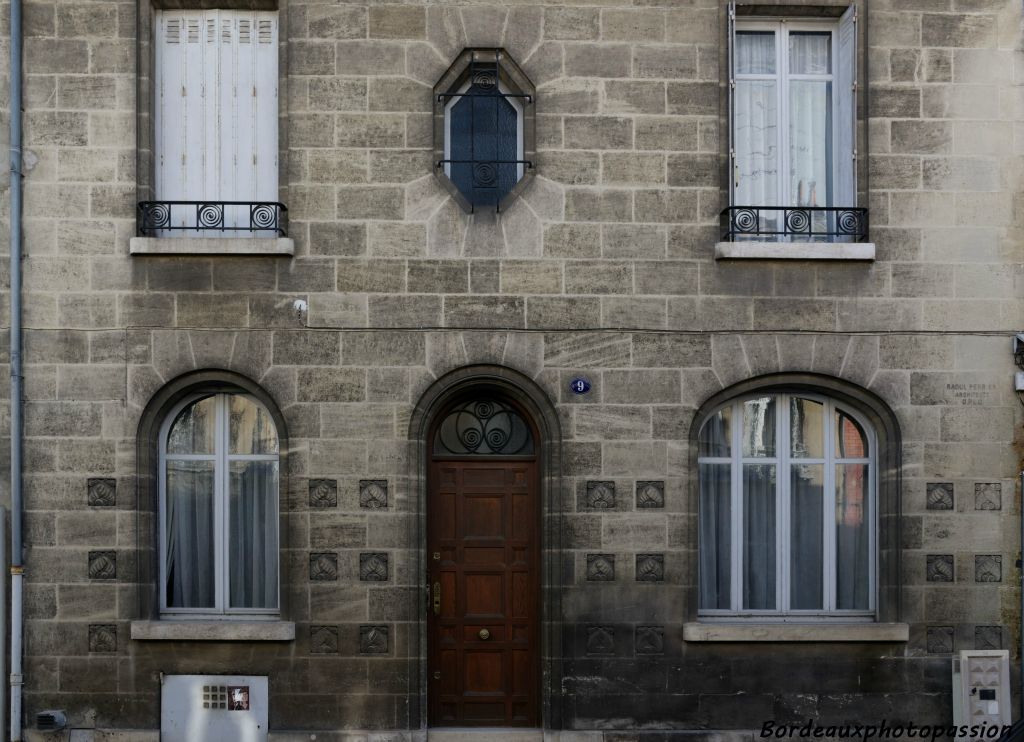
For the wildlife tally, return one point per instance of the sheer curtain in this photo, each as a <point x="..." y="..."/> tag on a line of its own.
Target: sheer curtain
<point x="715" y="535"/>
<point x="252" y="558"/>
<point x="756" y="121"/>
<point x="190" y="560"/>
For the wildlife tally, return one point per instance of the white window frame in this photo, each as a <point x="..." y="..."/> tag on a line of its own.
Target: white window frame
<point x="782" y="461"/>
<point x="222" y="523"/>
<point x="517" y="106"/>
<point x="782" y="77"/>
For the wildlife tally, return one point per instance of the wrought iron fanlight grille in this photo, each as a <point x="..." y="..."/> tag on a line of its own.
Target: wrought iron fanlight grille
<point x="484" y="120"/>
<point x="483" y="427"/>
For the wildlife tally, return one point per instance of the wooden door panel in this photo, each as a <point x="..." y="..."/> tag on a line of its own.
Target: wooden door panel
<point x="483" y="529"/>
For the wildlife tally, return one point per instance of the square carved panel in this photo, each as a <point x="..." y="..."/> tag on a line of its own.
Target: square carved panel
<point x="988" y="496"/>
<point x="101" y="492"/>
<point x="600" y="640"/>
<point x="323" y="639"/>
<point x="650" y="567"/>
<point x="323" y="566"/>
<point x="323" y="493"/>
<point x="600" y="495"/>
<point x="988" y="568"/>
<point x="650" y="494"/>
<point x="373" y="493"/>
<point x="939" y="568"/>
<point x="650" y="640"/>
<point x="940" y="639"/>
<point x="988" y="637"/>
<point x="373" y="567"/>
<point x="939" y="495"/>
<point x="102" y="637"/>
<point x="102" y="565"/>
<point x="373" y="639"/>
<point x="600" y="567"/>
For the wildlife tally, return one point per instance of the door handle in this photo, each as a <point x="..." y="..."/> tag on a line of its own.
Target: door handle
<point x="437" y="598"/>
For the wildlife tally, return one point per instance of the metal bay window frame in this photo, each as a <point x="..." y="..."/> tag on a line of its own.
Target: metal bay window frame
<point x="782" y="462"/>
<point x="222" y="459"/>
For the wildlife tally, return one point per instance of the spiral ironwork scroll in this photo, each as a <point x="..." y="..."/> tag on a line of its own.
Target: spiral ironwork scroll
<point x="798" y="221"/>
<point x="744" y="221"/>
<point x="850" y="221"/>
<point x="210" y="216"/>
<point x="483" y="427"/>
<point x="156" y="217"/>
<point x="832" y="224"/>
<point x="262" y="216"/>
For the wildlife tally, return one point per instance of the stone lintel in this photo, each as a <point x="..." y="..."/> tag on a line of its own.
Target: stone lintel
<point x="204" y="631"/>
<point x="794" y="251"/>
<point x="211" y="246"/>
<point x="796" y="632"/>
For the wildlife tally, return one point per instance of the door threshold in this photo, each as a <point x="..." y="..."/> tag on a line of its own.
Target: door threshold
<point x="485" y="734"/>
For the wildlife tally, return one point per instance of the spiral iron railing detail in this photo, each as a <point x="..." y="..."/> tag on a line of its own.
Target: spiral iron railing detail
<point x="155" y="217"/>
<point x="483" y="427"/>
<point x="794" y="223"/>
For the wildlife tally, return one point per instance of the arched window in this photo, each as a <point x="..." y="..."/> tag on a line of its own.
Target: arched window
<point x="219" y="491"/>
<point x="787" y="509"/>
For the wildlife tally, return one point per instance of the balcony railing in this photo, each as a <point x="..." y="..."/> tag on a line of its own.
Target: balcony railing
<point x="794" y="224"/>
<point x="206" y="218"/>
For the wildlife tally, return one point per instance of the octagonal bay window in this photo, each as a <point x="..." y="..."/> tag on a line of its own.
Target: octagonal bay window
<point x="484" y="151"/>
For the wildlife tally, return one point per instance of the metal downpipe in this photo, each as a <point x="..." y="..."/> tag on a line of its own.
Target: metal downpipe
<point x="17" y="626"/>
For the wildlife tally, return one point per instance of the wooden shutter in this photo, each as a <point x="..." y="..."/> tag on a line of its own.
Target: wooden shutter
<point x="846" y="92"/>
<point x="216" y="112"/>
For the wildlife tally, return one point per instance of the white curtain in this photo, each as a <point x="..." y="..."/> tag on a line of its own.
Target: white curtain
<point x="715" y="535"/>
<point x="756" y="122"/>
<point x="190" y="557"/>
<point x="759" y="536"/>
<point x="852" y="537"/>
<point x="252" y="557"/>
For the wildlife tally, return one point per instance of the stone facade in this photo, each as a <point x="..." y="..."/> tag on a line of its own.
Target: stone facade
<point x="605" y="269"/>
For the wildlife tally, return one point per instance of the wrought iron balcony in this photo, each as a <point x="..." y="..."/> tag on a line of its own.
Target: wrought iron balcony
<point x="794" y="224"/>
<point x="206" y="217"/>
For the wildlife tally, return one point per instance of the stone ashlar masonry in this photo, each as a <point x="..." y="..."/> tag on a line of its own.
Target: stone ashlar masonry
<point x="604" y="268"/>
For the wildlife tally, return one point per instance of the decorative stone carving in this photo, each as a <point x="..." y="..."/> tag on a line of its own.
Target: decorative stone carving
<point x="600" y="494"/>
<point x="102" y="565"/>
<point x="600" y="640"/>
<point x="323" y="566"/>
<point x="373" y="493"/>
<point x="650" y="640"/>
<point x="988" y="637"/>
<point x="650" y="567"/>
<point x="940" y="639"/>
<point x="323" y="493"/>
<point x="988" y="496"/>
<point x="939" y="568"/>
<point x="323" y="639"/>
<point x="373" y="567"/>
<point x="600" y="567"/>
<point x="650" y="494"/>
<point x="988" y="568"/>
<point x="373" y="639"/>
<point x="101" y="492"/>
<point x="102" y="637"/>
<point x="939" y="495"/>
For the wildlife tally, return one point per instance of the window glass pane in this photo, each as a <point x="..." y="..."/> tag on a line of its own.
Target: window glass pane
<point x="252" y="553"/>
<point x="806" y="428"/>
<point x="755" y="137"/>
<point x="252" y="430"/>
<point x="715" y="535"/>
<point x="484" y="427"/>
<point x="755" y="52"/>
<point x="189" y="535"/>
<point x="716" y="434"/>
<point x="759" y="427"/>
<point x="852" y="537"/>
<point x="192" y="432"/>
<point x="851" y="442"/>
<point x="810" y="143"/>
<point x="810" y="53"/>
<point x="806" y="484"/>
<point x="759" y="537"/>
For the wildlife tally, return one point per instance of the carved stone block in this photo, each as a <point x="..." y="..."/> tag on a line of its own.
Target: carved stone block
<point x="101" y="492"/>
<point x="988" y="568"/>
<point x="650" y="494"/>
<point x="650" y="567"/>
<point x="323" y="566"/>
<point x="988" y="637"/>
<point x="373" y="493"/>
<point x="373" y="567"/>
<point x="323" y="493"/>
<point x="323" y="639"/>
<point x="373" y="639"/>
<point x="988" y="496"/>
<point x="650" y="640"/>
<point x="939" y="495"/>
<point x="102" y="565"/>
<point x="940" y="639"/>
<point x="600" y="640"/>
<point x="102" y="637"/>
<point x="939" y="568"/>
<point x="600" y="567"/>
<point x="600" y="494"/>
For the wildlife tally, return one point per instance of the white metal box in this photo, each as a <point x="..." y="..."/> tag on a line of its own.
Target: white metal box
<point x="213" y="708"/>
<point x="981" y="690"/>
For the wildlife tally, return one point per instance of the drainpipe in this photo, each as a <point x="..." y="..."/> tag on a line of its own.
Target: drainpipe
<point x="17" y="627"/>
<point x="1020" y="659"/>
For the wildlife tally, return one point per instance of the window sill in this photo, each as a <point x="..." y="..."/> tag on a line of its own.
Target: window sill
<point x="794" y="251"/>
<point x="793" y="632"/>
<point x="211" y="246"/>
<point x="210" y="631"/>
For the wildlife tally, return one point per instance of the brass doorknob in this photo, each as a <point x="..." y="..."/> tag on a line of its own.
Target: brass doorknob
<point x="484" y="634"/>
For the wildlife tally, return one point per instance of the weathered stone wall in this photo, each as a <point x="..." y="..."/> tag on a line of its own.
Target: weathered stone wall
<point x="604" y="268"/>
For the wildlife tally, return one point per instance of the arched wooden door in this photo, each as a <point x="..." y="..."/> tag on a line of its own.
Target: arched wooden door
<point x="483" y="567"/>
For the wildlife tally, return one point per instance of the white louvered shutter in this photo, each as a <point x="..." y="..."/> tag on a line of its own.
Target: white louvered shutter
<point x="216" y="110"/>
